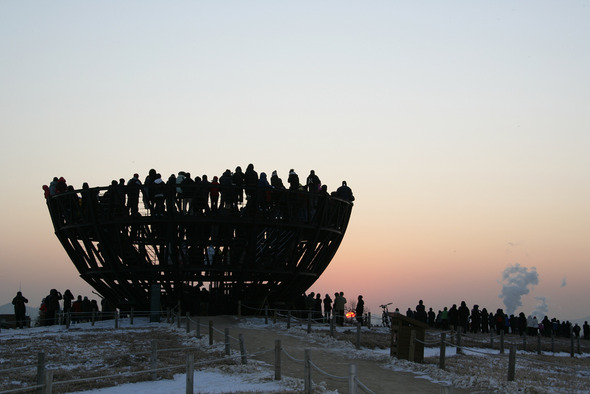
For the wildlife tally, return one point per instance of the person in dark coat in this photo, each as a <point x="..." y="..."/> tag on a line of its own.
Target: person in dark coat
<point x="68" y="298"/>
<point x="420" y="314"/>
<point x="52" y="305"/>
<point x="327" y="307"/>
<point x="20" y="309"/>
<point x="360" y="309"/>
<point x="464" y="316"/>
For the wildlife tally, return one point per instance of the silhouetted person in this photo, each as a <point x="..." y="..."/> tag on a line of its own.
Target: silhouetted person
<point x="52" y="306"/>
<point x="293" y="180"/>
<point x="420" y="314"/>
<point x="20" y="309"/>
<point x="327" y="307"/>
<point x="313" y="183"/>
<point x="344" y="192"/>
<point x="68" y="297"/>
<point x="133" y="188"/>
<point x="464" y="316"/>
<point x="238" y="179"/>
<point x="360" y="309"/>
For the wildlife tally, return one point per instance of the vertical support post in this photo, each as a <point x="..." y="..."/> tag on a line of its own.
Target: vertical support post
<point x="131" y="315"/>
<point x="93" y="317"/>
<point x="369" y="320"/>
<point x="524" y="341"/>
<point x="48" y="382"/>
<point x="266" y="314"/>
<point x="190" y="373"/>
<point x="491" y="339"/>
<point x="188" y="323"/>
<point x="459" y="350"/>
<point x="308" y="322"/>
<point x="352" y="378"/>
<point x="278" y="359"/>
<point x="117" y="318"/>
<point x="239" y="309"/>
<point x="539" y="343"/>
<point x="441" y="362"/>
<point x="332" y="327"/>
<point x="154" y="360"/>
<point x="243" y="349"/>
<point x="198" y="328"/>
<point x="552" y="341"/>
<point x="40" y="371"/>
<point x="511" y="363"/>
<point x="502" y="341"/>
<point x="167" y="315"/>
<point x="289" y="320"/>
<point x="412" y="349"/>
<point x="358" y="335"/>
<point x="578" y="340"/>
<point x="307" y="372"/>
<point x="210" y="332"/>
<point x="226" y="341"/>
<point x="274" y="316"/>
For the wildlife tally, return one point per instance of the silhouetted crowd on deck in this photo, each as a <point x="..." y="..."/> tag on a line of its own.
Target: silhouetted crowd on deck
<point x="182" y="193"/>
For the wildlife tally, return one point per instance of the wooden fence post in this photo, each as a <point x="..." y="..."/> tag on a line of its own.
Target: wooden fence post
<point x="358" y="335"/>
<point x="571" y="342"/>
<point x="524" y="341"/>
<point x="308" y="322"/>
<point x="511" y="363"/>
<point x="154" y="360"/>
<point x="243" y="349"/>
<point x="198" y="328"/>
<point x="459" y="350"/>
<point x="131" y="315"/>
<point x="210" y="332"/>
<point x="188" y="322"/>
<point x="277" y="359"/>
<point x="239" y="309"/>
<point x="502" y="341"/>
<point x="274" y="316"/>
<point x="227" y="344"/>
<point x="307" y="372"/>
<point x="369" y="320"/>
<point x="190" y="373"/>
<point x="266" y="314"/>
<point x="289" y="320"/>
<point x="441" y="362"/>
<point x="552" y="341"/>
<point x="48" y="382"/>
<point x="491" y="339"/>
<point x="412" y="349"/>
<point x="332" y="326"/>
<point x="352" y="378"/>
<point x="539" y="343"/>
<point x="40" y="371"/>
<point x="178" y="314"/>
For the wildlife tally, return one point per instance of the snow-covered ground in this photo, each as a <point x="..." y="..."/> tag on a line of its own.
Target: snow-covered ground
<point x="479" y="369"/>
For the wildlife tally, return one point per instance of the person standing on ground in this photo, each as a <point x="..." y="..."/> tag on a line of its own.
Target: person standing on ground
<point x="19" y="309"/>
<point x="360" y="309"/>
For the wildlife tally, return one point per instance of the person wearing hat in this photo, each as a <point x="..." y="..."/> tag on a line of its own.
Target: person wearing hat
<point x="360" y="309"/>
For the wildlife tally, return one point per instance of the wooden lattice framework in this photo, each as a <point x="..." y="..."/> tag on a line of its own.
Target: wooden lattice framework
<point x="269" y="250"/>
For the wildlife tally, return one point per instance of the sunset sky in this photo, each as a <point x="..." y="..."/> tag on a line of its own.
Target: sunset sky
<point x="462" y="127"/>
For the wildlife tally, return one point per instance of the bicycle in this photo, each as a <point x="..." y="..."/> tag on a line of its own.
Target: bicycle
<point x="385" y="317"/>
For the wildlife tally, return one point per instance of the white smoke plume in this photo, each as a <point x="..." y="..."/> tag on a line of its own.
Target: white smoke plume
<point x="515" y="284"/>
<point x="541" y="310"/>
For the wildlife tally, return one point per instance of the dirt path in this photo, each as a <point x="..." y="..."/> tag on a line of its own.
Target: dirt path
<point x="371" y="372"/>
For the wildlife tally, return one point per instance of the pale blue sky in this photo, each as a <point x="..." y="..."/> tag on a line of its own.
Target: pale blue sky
<point x="461" y="126"/>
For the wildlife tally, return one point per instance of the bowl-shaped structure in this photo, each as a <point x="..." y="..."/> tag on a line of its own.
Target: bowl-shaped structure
<point x="267" y="249"/>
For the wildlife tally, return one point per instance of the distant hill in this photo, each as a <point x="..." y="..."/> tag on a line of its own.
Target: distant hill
<point x="32" y="312"/>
